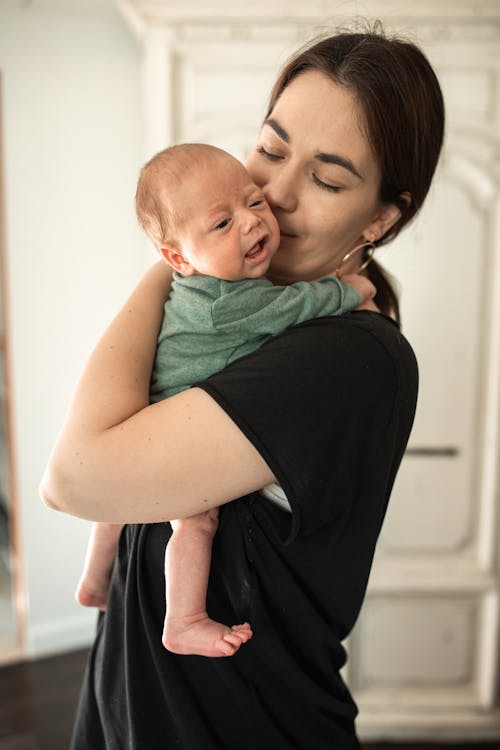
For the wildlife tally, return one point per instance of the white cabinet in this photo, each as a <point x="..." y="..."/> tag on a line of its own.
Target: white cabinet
<point x="424" y="657"/>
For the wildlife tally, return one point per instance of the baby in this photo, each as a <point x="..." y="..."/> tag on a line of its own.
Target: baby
<point x="213" y="226"/>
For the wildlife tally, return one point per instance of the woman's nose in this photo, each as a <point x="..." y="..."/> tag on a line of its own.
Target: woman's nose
<point x="281" y="191"/>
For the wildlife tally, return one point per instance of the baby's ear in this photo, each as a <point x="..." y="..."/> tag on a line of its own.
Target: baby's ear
<point x="173" y="256"/>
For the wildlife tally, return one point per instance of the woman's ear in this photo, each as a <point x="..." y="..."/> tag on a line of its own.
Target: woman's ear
<point x="172" y="255"/>
<point x="387" y="215"/>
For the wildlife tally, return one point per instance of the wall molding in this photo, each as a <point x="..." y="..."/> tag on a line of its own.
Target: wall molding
<point x="174" y="11"/>
<point x="65" y="634"/>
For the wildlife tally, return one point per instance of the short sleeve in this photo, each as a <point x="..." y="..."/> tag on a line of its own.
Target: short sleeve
<point x="320" y="402"/>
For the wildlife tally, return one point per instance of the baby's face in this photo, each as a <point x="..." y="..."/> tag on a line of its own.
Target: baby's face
<point x="229" y="230"/>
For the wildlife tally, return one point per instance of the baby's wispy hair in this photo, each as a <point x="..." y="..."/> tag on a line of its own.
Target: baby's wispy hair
<point x="156" y="189"/>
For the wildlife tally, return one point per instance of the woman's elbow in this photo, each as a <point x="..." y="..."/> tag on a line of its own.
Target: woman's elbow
<point x="51" y="489"/>
<point x="68" y="492"/>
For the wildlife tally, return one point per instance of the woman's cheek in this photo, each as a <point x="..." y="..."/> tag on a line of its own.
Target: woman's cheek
<point x="325" y="221"/>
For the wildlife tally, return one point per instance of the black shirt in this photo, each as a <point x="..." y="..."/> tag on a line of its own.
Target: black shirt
<point x="329" y="405"/>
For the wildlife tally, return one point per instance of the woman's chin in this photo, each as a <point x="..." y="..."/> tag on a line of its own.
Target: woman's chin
<point x="288" y="264"/>
<point x="281" y="276"/>
<point x="285" y="269"/>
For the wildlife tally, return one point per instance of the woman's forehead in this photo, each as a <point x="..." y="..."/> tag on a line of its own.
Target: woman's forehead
<point x="316" y="114"/>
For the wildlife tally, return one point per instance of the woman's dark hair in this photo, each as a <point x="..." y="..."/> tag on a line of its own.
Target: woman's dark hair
<point x="402" y="102"/>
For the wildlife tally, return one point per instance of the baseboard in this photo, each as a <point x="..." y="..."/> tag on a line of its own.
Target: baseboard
<point x="66" y="634"/>
<point x="459" y="725"/>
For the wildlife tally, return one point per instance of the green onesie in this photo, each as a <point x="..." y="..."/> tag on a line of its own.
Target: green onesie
<point x="209" y="322"/>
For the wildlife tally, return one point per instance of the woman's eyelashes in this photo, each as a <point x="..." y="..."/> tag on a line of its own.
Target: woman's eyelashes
<point x="325" y="185"/>
<point x="268" y="154"/>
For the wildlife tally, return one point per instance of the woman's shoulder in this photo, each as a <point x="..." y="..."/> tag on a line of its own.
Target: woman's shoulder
<point x="354" y="339"/>
<point x="358" y="322"/>
<point x="384" y="331"/>
<point x="359" y="358"/>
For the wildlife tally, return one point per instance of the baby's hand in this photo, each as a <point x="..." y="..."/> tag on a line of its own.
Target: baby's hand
<point x="363" y="286"/>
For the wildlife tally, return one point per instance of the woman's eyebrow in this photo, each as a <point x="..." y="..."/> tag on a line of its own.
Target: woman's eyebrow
<point x="281" y="132"/>
<point x="341" y="161"/>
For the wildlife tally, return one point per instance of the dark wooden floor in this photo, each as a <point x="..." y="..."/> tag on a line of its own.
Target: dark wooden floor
<point x="38" y="701"/>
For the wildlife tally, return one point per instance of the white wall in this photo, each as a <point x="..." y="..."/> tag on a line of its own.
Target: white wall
<point x="73" y="146"/>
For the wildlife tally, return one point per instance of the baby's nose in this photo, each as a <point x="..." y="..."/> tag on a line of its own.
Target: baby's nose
<point x="249" y="220"/>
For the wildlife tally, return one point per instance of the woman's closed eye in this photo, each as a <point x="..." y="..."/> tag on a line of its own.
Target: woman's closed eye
<point x="325" y="185"/>
<point x="277" y="157"/>
<point x="268" y="154"/>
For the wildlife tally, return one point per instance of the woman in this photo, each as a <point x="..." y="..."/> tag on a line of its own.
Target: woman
<point x="346" y="156"/>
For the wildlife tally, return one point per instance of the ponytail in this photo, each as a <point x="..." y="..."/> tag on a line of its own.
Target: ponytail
<point x="386" y="298"/>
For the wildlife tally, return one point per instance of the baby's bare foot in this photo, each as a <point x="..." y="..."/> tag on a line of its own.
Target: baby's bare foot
<point x="90" y="596"/>
<point x="203" y="636"/>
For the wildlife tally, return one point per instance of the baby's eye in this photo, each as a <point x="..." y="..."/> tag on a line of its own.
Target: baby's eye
<point x="222" y="224"/>
<point x="257" y="202"/>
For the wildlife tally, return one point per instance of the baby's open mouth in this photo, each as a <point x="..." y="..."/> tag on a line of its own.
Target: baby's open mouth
<point x="257" y="249"/>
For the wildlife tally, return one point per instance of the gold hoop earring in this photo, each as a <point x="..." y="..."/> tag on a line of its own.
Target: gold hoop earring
<point x="370" y="248"/>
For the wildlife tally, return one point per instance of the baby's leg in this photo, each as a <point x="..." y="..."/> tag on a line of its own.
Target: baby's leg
<point x="92" y="589"/>
<point x="188" y="629"/>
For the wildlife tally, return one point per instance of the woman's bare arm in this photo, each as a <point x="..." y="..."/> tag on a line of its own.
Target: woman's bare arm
<point x="120" y="459"/>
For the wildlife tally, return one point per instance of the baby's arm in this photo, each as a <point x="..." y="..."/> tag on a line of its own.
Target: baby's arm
<point x="260" y="308"/>
<point x="92" y="590"/>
